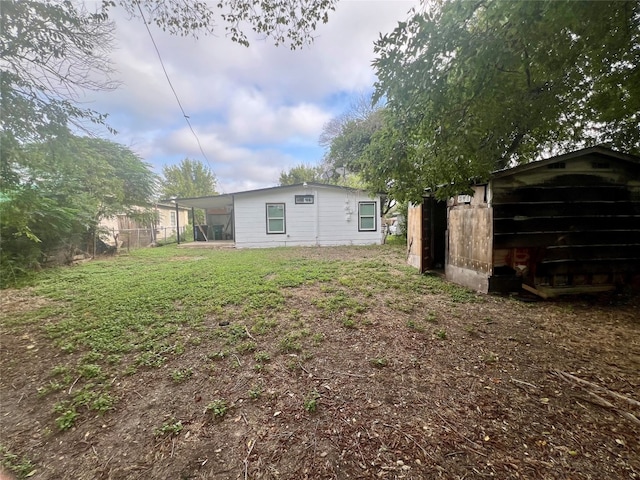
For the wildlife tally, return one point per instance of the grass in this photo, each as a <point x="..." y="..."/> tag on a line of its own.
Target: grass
<point x="21" y="467"/>
<point x="121" y="316"/>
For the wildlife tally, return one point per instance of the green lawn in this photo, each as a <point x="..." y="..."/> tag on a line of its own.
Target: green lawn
<point x="306" y="363"/>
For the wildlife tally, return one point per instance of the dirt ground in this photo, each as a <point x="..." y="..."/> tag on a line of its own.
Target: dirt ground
<point x="496" y="388"/>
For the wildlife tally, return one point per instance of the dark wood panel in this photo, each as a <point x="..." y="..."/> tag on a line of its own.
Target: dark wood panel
<point x="585" y="223"/>
<point x="553" y="193"/>
<point x="591" y="253"/>
<point x="594" y="267"/>
<point x="520" y="240"/>
<point x="564" y="209"/>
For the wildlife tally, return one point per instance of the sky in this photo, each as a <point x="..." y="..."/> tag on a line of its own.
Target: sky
<point x="257" y="111"/>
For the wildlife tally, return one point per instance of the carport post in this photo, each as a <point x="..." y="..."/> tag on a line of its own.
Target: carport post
<point x="193" y="219"/>
<point x="177" y="224"/>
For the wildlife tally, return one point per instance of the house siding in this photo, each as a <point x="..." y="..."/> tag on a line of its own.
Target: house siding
<point x="331" y="220"/>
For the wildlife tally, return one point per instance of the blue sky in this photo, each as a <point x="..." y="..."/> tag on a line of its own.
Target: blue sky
<point x="257" y="110"/>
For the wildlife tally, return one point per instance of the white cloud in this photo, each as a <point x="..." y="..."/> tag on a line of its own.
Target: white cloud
<point x="256" y="110"/>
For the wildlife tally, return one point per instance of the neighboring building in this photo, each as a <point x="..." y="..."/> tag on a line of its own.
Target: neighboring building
<point x="123" y="229"/>
<point x="292" y="215"/>
<point x="567" y="224"/>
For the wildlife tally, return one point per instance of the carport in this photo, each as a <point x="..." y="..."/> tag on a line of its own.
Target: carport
<point x="218" y="226"/>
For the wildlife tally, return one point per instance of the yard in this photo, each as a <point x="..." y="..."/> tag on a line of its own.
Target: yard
<point x="310" y="363"/>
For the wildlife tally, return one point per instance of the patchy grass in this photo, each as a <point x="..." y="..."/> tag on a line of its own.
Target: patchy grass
<point x="331" y="362"/>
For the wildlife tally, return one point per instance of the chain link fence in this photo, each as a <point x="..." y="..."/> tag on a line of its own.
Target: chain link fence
<point x="126" y="239"/>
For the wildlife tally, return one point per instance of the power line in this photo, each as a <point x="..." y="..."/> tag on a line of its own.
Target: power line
<point x="186" y="117"/>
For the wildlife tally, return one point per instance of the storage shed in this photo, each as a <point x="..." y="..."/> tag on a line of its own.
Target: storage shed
<point x="567" y="224"/>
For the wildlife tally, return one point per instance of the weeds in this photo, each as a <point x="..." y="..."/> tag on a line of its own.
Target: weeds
<point x="379" y="362"/>
<point x="181" y="374"/>
<point x="311" y="401"/>
<point x="67" y="419"/>
<point x="21" y="467"/>
<point x="255" y="392"/>
<point x="173" y="427"/>
<point x="218" y="408"/>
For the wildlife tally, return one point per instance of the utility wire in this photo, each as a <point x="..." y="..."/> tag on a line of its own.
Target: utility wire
<point x="186" y="117"/>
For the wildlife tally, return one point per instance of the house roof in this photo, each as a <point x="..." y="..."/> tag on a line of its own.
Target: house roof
<point x="226" y="199"/>
<point x="595" y="151"/>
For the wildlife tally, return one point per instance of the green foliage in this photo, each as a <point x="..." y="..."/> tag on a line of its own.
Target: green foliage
<point x="67" y="419"/>
<point x="218" y="408"/>
<point x="300" y="174"/>
<point x="21" y="467"/>
<point x="379" y="362"/>
<point x="190" y="178"/>
<point x="181" y="374"/>
<point x="290" y="22"/>
<point x="311" y="401"/>
<point x="67" y="185"/>
<point x="172" y="427"/>
<point x="50" y="51"/>
<point x="476" y="86"/>
<point x="255" y="392"/>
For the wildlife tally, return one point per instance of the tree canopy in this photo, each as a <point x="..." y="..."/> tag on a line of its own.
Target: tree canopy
<point x="51" y="52"/>
<point x="62" y="189"/>
<point x="471" y="87"/>
<point x="190" y="178"/>
<point x="301" y="173"/>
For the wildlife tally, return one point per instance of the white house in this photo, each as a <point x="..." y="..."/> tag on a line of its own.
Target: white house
<point x="293" y="215"/>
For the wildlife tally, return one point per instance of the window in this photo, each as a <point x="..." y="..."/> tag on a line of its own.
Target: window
<point x="304" y="199"/>
<point x="173" y="219"/>
<point x="366" y="216"/>
<point x="275" y="218"/>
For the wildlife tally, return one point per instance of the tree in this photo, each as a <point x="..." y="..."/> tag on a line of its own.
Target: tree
<point x="66" y="185"/>
<point x="51" y="52"/>
<point x="190" y="178"/>
<point x="471" y="87"/>
<point x="284" y="21"/>
<point x="301" y="173"/>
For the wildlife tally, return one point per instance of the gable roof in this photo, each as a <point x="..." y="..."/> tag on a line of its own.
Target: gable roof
<point x="224" y="199"/>
<point x="595" y="151"/>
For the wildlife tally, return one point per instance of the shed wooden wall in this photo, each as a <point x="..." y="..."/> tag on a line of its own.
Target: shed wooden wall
<point x="331" y="220"/>
<point x="469" y="257"/>
<point x="570" y="224"/>
<point x="414" y="236"/>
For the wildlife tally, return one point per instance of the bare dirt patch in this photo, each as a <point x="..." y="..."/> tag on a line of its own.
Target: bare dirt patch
<point x="434" y="387"/>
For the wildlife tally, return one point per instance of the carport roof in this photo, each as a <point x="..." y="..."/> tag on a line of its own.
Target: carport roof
<point x="213" y="201"/>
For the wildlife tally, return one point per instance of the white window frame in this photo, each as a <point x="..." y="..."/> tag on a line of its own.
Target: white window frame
<point x="283" y="218"/>
<point x="361" y="216"/>
<point x="172" y="218"/>
<point x="304" y="199"/>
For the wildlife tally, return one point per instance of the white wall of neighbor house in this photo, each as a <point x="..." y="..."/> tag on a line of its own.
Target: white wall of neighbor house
<point x="331" y="219"/>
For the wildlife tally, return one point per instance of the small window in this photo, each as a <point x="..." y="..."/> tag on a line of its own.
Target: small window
<point x="173" y="219"/>
<point x="304" y="199"/>
<point x="275" y="218"/>
<point x="366" y="216"/>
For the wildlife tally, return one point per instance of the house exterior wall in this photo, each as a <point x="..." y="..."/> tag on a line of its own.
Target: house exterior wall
<point x="469" y="259"/>
<point x="164" y="217"/>
<point x="119" y="225"/>
<point x="332" y="218"/>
